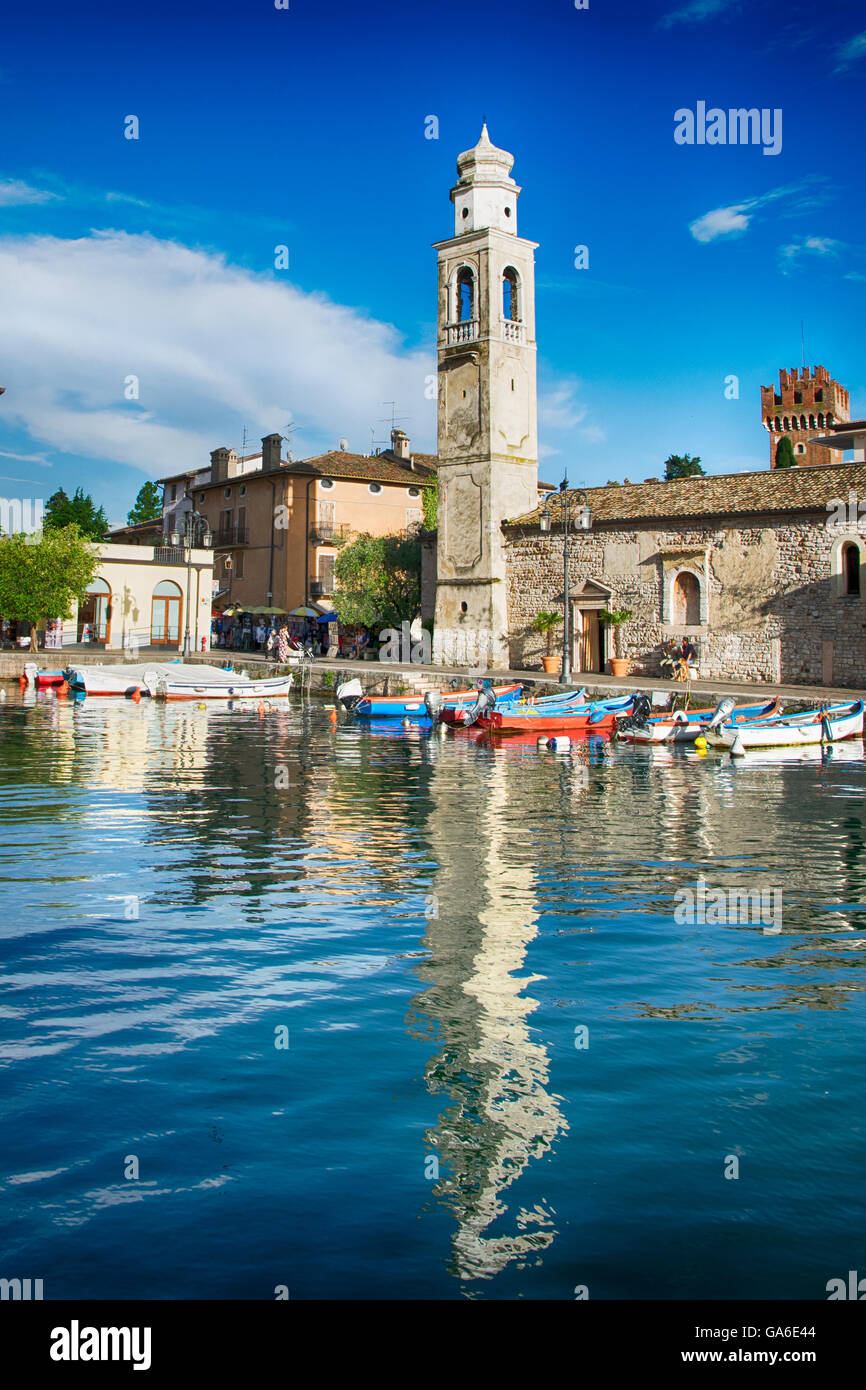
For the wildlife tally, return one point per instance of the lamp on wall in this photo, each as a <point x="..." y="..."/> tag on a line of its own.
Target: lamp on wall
<point x="582" y="522"/>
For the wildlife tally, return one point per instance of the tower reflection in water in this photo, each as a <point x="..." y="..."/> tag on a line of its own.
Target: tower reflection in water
<point x="500" y="1116"/>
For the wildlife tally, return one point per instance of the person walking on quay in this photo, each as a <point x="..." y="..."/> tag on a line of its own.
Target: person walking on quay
<point x="283" y="645"/>
<point x="271" y="640"/>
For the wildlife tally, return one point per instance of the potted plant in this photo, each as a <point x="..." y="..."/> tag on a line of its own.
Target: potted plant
<point x="616" y="618"/>
<point x="544" y="622"/>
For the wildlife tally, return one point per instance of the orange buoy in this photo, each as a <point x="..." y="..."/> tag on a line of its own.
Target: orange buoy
<point x="63" y="688"/>
<point x="332" y="715"/>
<point x="22" y="681"/>
<point x="136" y="695"/>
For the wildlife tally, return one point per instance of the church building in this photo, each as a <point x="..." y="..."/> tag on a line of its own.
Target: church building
<point x="764" y="571"/>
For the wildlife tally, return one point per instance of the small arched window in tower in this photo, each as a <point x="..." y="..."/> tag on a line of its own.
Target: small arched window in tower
<point x="465" y="295"/>
<point x="803" y="424"/>
<point x="795" y="423"/>
<point x="786" y="424"/>
<point x="821" y="420"/>
<point x="829" y="418"/>
<point x="851" y="568"/>
<point x="812" y="422"/>
<point x="778" y="425"/>
<point x="510" y="294"/>
<point x="687" y="600"/>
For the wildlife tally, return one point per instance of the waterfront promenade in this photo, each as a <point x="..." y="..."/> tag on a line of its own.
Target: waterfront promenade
<point x="320" y="672"/>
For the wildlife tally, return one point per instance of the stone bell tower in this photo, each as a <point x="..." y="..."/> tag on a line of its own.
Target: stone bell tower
<point x="488" y="448"/>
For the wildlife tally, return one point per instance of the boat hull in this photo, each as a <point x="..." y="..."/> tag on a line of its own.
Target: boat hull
<point x="661" y="730"/>
<point x="591" y="719"/>
<point x="812" y="727"/>
<point x="271" y="688"/>
<point x="414" y="707"/>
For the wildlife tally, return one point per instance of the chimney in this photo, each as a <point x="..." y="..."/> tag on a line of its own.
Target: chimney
<point x="400" y="444"/>
<point x="223" y="464"/>
<point x="271" y="446"/>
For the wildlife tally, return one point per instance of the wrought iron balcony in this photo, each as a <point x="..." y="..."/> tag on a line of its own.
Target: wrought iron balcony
<point x="169" y="555"/>
<point x="231" y="535"/>
<point x="324" y="533"/>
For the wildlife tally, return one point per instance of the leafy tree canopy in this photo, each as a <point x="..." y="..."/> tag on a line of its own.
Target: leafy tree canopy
<point x="379" y="581"/>
<point x="785" y="453"/>
<point x="78" y="510"/>
<point x="40" y="579"/>
<point x="683" y="466"/>
<point x="147" y="505"/>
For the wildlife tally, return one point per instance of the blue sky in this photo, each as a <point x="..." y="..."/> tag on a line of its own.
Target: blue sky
<point x="260" y="127"/>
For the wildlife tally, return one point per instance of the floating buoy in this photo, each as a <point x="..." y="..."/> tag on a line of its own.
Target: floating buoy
<point x="202" y="705"/>
<point x="63" y="688"/>
<point x="332" y="715"/>
<point x="135" y="695"/>
<point x="22" y="681"/>
<point x="701" y="744"/>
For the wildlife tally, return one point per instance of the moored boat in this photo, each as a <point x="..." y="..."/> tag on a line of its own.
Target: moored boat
<point x="459" y="714"/>
<point x="212" y="683"/>
<point x="42" y="679"/>
<point x="416" y="707"/>
<point x="824" y="724"/>
<point x="687" y="725"/>
<point x="596" y="718"/>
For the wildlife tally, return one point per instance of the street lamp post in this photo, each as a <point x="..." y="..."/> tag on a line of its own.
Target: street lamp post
<point x="195" y="527"/>
<point x="582" y="522"/>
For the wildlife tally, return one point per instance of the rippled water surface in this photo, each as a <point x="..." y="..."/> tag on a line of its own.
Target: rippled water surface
<point x="429" y="923"/>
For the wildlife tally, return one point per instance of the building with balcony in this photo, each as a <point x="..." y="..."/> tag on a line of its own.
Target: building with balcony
<point x="278" y="525"/>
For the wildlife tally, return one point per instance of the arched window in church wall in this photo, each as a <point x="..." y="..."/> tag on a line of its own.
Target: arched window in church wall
<point x="511" y="309"/>
<point x="686" y="606"/>
<point x="465" y="295"/>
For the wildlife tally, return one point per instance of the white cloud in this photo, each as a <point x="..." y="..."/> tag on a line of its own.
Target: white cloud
<point x="735" y="219"/>
<point x="15" y="193"/>
<point x="26" y="458"/>
<point x="850" y="52"/>
<point x="695" y="12"/>
<point x="215" y="348"/>
<point x="821" y="246"/>
<point x="732" y="221"/>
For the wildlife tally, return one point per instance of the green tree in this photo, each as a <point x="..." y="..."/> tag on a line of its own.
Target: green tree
<point x="78" y="510"/>
<point x="785" y="453"/>
<point x="147" y="506"/>
<point x="430" y="503"/>
<point x="40" y="579"/>
<point x="379" y="581"/>
<point x="683" y="466"/>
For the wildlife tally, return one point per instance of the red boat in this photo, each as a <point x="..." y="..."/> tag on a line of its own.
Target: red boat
<point x="598" y="718"/>
<point x="454" y="704"/>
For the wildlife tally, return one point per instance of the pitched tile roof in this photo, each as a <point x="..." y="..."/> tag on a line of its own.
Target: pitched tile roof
<point x="774" y="490"/>
<point x="367" y="468"/>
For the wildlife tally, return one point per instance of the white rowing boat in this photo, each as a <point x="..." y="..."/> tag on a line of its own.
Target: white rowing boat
<point x="814" y="726"/>
<point x="174" y="680"/>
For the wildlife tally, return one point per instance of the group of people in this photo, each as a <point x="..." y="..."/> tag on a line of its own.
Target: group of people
<point x="276" y="638"/>
<point x="680" y="657"/>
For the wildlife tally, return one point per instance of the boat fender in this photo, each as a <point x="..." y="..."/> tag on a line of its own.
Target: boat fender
<point x="701" y="744"/>
<point x="826" y="730"/>
<point x="737" y="748"/>
<point x="542" y="741"/>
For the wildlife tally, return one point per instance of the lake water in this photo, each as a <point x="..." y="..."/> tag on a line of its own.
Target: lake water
<point x="263" y="976"/>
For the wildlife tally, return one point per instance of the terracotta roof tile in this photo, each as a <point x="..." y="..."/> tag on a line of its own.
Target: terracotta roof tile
<point x="795" y="489"/>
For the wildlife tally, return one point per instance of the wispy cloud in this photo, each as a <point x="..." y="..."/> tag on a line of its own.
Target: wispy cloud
<point x="27" y="458"/>
<point x="735" y="219"/>
<point x="562" y="412"/>
<point x="850" y="52"/>
<point x="697" y="11"/>
<point x="820" y="246"/>
<point x="16" y="193"/>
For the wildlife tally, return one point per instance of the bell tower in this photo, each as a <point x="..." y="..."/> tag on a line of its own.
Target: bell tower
<point x="488" y="448"/>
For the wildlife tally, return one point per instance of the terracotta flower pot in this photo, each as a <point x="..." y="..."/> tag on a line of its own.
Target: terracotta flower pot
<point x="550" y="664"/>
<point x="619" y="666"/>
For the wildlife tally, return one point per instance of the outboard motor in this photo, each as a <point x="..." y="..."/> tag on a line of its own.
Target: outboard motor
<point x="30" y="670"/>
<point x="639" y="714"/>
<point x="724" y="709"/>
<point x="350" y="692"/>
<point x="433" y="701"/>
<point x="486" y="701"/>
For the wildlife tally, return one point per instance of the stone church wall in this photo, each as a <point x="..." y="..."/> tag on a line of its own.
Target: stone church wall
<point x="772" y="601"/>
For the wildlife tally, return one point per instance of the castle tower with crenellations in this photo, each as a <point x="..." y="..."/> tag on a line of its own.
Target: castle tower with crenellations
<point x="807" y="402"/>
